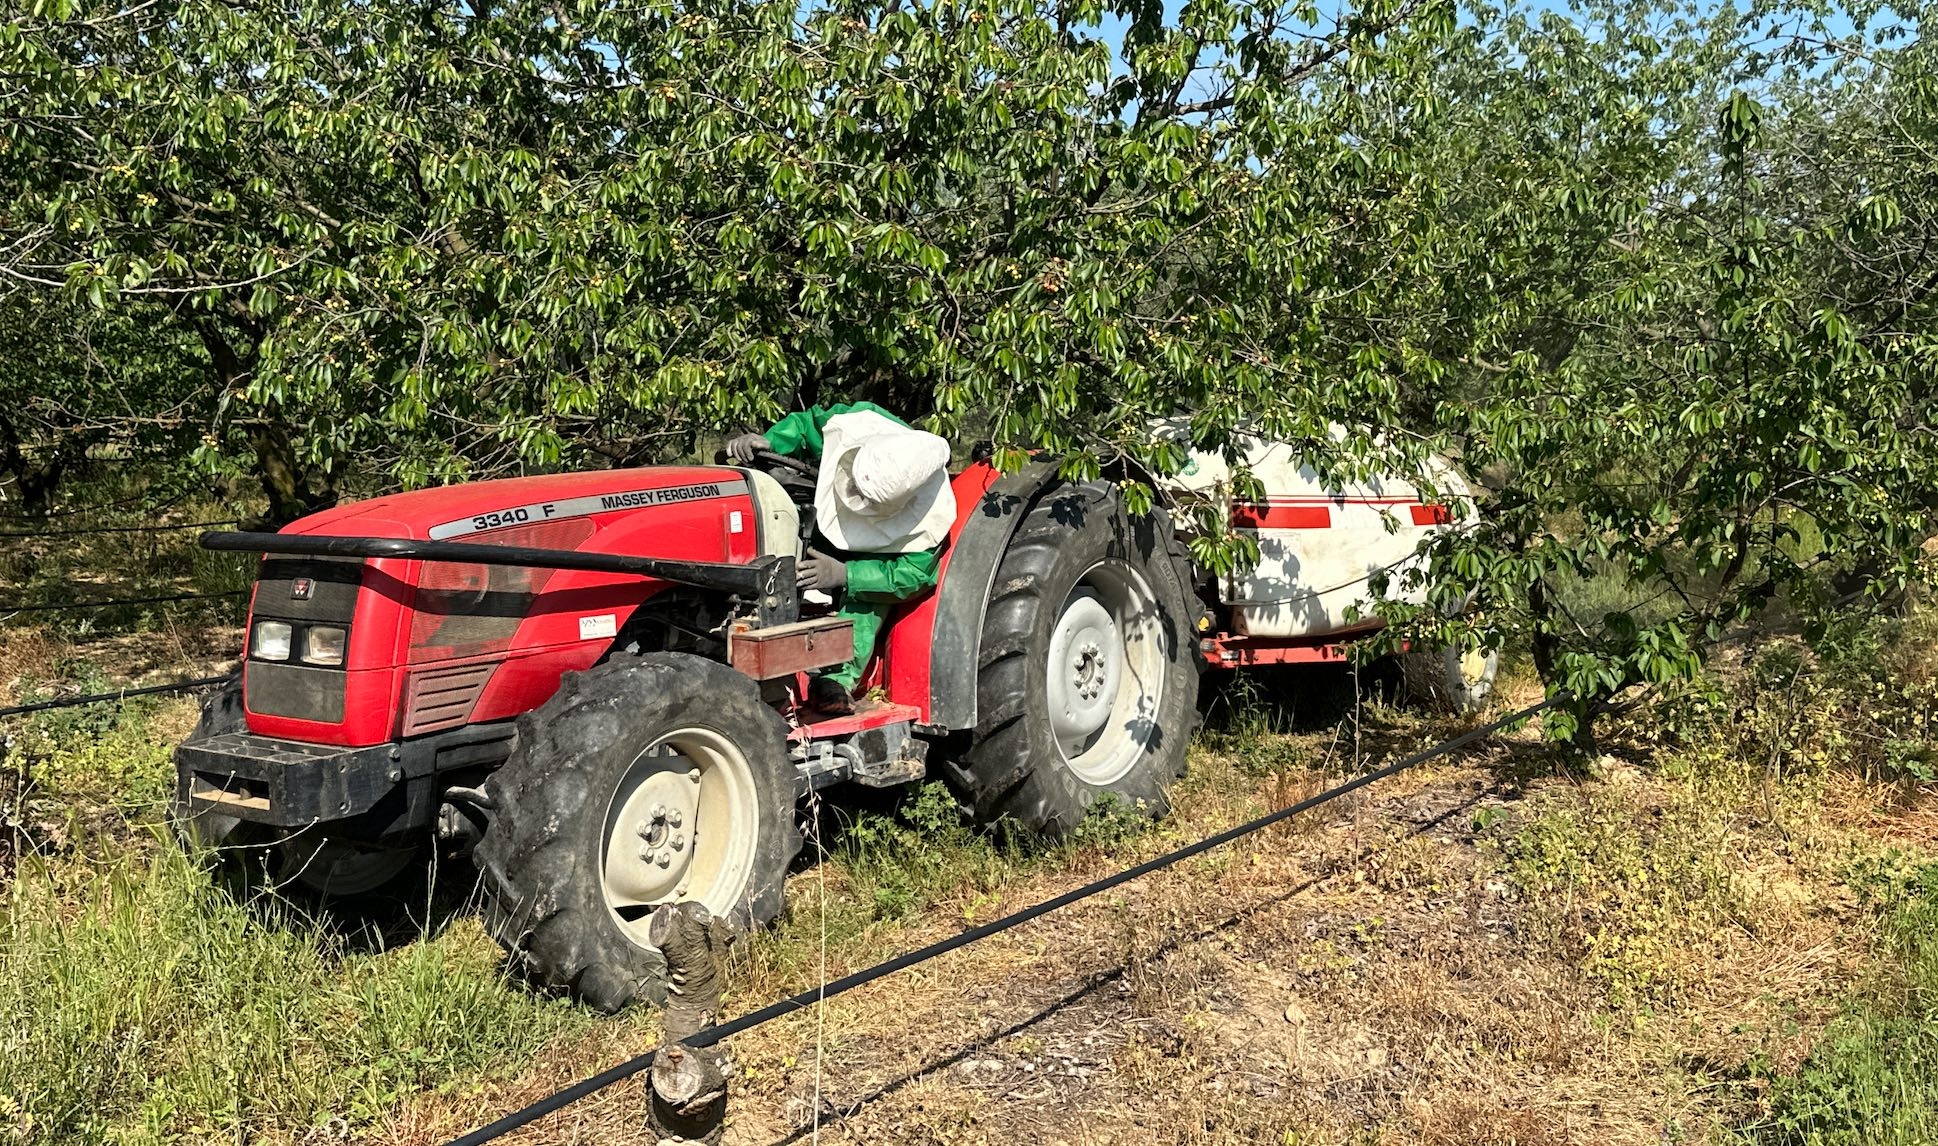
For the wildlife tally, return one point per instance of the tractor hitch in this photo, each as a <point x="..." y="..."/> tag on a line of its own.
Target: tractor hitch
<point x="766" y="583"/>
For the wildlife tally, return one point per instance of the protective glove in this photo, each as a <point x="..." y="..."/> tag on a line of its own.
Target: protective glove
<point x="819" y="571"/>
<point x="743" y="448"/>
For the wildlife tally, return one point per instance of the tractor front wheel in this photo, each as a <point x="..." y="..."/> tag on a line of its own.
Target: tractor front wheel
<point x="646" y="780"/>
<point x="327" y="869"/>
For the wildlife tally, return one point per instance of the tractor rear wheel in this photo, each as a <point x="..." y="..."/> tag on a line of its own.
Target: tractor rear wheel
<point x="650" y="779"/>
<point x="1088" y="679"/>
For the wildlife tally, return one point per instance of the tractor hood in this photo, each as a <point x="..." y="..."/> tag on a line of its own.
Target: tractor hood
<point x="428" y="645"/>
<point x="455" y="512"/>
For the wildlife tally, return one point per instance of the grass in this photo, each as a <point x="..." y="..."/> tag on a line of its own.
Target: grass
<point x="139" y="1003"/>
<point x="142" y="1001"/>
<point x="1873" y="1079"/>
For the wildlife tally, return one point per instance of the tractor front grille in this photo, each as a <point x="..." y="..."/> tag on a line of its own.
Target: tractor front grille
<point x="302" y="591"/>
<point x="321" y="590"/>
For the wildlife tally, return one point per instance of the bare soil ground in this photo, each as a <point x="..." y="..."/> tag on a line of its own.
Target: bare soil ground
<point x="1374" y="973"/>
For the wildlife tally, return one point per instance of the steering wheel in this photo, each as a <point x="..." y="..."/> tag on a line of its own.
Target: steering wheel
<point x="769" y="460"/>
<point x="798" y="477"/>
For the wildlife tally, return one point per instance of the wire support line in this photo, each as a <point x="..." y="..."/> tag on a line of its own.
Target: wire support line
<point x="110" y="603"/>
<point x="828" y="990"/>
<point x="116" y="529"/>
<point x="123" y="694"/>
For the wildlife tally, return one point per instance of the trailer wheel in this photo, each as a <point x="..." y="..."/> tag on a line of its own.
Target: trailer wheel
<point x="1088" y="674"/>
<point x="651" y="779"/>
<point x="1448" y="680"/>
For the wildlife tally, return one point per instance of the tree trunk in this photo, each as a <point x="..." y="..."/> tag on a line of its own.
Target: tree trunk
<point x="35" y="479"/>
<point x="293" y="489"/>
<point x="687" y="1095"/>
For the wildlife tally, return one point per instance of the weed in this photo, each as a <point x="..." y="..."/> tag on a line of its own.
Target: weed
<point x="1626" y="895"/>
<point x="1110" y="823"/>
<point x="1873" y="1078"/>
<point x="99" y="755"/>
<point x="922" y="851"/>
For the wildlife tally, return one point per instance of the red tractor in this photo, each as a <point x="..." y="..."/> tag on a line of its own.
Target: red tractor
<point x="594" y="683"/>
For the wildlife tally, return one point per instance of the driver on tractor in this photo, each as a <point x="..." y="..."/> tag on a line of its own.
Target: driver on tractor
<point x="882" y="508"/>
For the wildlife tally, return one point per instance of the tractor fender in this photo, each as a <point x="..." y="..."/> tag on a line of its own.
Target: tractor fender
<point x="963" y="596"/>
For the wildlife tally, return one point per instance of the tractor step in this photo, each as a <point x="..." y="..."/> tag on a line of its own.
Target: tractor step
<point x="869" y="713"/>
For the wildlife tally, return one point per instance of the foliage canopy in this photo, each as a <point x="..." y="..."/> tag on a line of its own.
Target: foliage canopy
<point x="1662" y="278"/>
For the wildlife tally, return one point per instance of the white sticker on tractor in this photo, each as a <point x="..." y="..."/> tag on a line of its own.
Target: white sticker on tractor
<point x="603" y="625"/>
<point x="541" y="511"/>
<point x="734" y="522"/>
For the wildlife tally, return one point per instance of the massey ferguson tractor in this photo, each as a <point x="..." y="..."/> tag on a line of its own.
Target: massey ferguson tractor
<point x="594" y="682"/>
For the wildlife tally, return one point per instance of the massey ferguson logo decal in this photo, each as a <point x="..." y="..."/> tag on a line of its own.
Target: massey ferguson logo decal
<point x="543" y="511"/>
<point x="659" y="496"/>
<point x="302" y="589"/>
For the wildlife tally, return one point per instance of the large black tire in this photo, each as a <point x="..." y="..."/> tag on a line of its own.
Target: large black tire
<point x="310" y="862"/>
<point x="592" y="771"/>
<point x="1032" y="759"/>
<point x="1449" y="680"/>
<point x="221" y="714"/>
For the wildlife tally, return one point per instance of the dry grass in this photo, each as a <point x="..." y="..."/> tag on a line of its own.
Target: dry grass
<point x="1373" y="974"/>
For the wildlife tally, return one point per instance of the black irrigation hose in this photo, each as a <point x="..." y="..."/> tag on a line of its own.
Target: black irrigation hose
<point x="97" y="698"/>
<point x="121" y="601"/>
<point x="806" y="999"/>
<point x="117" y="529"/>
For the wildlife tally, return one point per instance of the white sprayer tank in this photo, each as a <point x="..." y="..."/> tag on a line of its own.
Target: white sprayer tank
<point x="1320" y="546"/>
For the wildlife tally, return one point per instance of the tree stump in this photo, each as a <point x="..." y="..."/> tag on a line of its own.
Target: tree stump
<point x="686" y="1095"/>
<point x="686" y="1091"/>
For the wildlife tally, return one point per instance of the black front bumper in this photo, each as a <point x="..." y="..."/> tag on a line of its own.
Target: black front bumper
<point x="376" y="791"/>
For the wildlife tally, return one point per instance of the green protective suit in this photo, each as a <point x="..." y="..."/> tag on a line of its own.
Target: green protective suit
<point x="877" y="582"/>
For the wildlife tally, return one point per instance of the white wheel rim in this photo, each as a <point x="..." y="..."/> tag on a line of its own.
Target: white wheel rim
<point x="1473" y="669"/>
<point x="682" y="827"/>
<point x="335" y="867"/>
<point x="1105" y="672"/>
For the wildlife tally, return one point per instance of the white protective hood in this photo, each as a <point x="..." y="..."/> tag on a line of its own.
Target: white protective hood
<point x="884" y="488"/>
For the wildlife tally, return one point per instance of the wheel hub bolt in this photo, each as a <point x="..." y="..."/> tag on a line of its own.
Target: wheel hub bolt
<point x="664" y="859"/>
<point x="679" y="843"/>
<point x="1089" y="671"/>
<point x="673" y="818"/>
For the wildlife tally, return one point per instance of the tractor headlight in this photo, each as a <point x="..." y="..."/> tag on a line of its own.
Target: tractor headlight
<point x="271" y="641"/>
<point x="323" y="645"/>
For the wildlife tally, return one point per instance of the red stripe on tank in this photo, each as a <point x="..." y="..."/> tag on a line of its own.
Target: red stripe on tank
<point x="1272" y="516"/>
